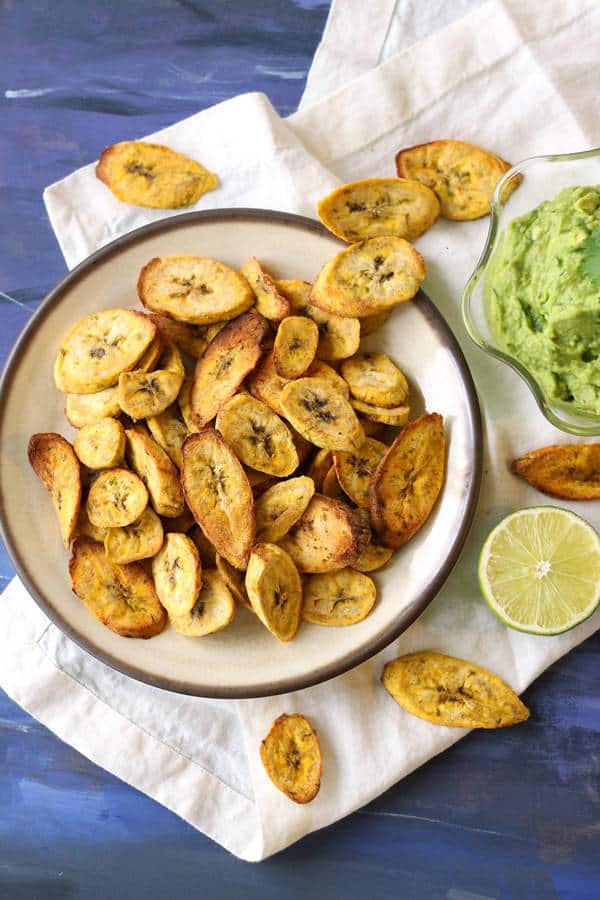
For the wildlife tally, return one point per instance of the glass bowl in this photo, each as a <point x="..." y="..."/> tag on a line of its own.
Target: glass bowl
<point x="538" y="178"/>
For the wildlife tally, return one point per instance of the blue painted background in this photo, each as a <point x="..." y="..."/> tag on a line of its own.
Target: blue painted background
<point x="512" y="814"/>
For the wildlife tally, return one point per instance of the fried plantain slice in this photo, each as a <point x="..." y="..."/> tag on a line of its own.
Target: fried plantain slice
<point x="321" y="414"/>
<point x="121" y="597"/>
<point x="274" y="589"/>
<point x="266" y="385"/>
<point x="319" y="467"/>
<point x="568" y="471"/>
<point x="140" y="540"/>
<point x="462" y="175"/>
<point x="408" y="480"/>
<point x="117" y="497"/>
<point x="339" y="336"/>
<point x="295" y="346"/>
<point x="190" y="339"/>
<point x="379" y="206"/>
<point x="193" y="289"/>
<point x="230" y="356"/>
<point x="292" y="758"/>
<point x="85" y="528"/>
<point x="183" y="402"/>
<point x="181" y="524"/>
<point x="234" y="580"/>
<point x="370" y="324"/>
<point x="355" y="470"/>
<point x="331" y="486"/>
<point x="280" y="507"/>
<point x="259" y="437"/>
<point x="169" y="432"/>
<point x="373" y="557"/>
<point x="206" y="551"/>
<point x="328" y="536"/>
<point x="338" y="598"/>
<point x="53" y="460"/>
<point x="153" y="175"/>
<point x="177" y="573"/>
<point x="219" y="495"/>
<point x="99" y="347"/>
<point x="212" y="611"/>
<point x="397" y="415"/>
<point x="375" y="379"/>
<point x="370" y="277"/>
<point x="146" y="394"/>
<point x="150" y="358"/>
<point x="87" y="409"/>
<point x="270" y="303"/>
<point x="101" y="446"/>
<point x="448" y="691"/>
<point x="157" y="471"/>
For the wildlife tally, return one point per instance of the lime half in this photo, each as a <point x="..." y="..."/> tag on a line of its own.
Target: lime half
<point x="539" y="570"/>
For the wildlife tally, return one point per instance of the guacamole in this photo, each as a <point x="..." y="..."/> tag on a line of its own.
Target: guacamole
<point x="542" y="294"/>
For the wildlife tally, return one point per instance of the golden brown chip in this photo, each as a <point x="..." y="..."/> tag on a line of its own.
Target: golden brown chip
<point x="146" y="394"/>
<point x="448" y="691"/>
<point x="87" y="409"/>
<point x="234" y="580"/>
<point x="266" y="385"/>
<point x="379" y="206"/>
<point x="230" y="356"/>
<point x="193" y="289"/>
<point x="259" y="437"/>
<point x="370" y="277"/>
<point x="339" y="336"/>
<point x="169" y="432"/>
<point x="219" y="495"/>
<point x="295" y="346"/>
<point x="373" y="557"/>
<point x="375" y="379"/>
<point x="99" y="348"/>
<point x="157" y="471"/>
<point x="397" y="415"/>
<point x="321" y="414"/>
<point x="274" y="589"/>
<point x="338" y="598"/>
<point x="370" y="324"/>
<point x="177" y="574"/>
<point x="212" y="611"/>
<point x="140" y="540"/>
<point x="269" y="302"/>
<point x="331" y="486"/>
<point x="150" y="358"/>
<point x="183" y="401"/>
<point x="292" y="758"/>
<point x="280" y="507"/>
<point x="408" y="480"/>
<point x="180" y="524"/>
<point x="462" y="175"/>
<point x="354" y="470"/>
<point x="101" y="446"/>
<point x="190" y="339"/>
<point x="328" y="536"/>
<point x="568" y="471"/>
<point x="319" y="467"/>
<point x="53" y="460"/>
<point x="206" y="551"/>
<point x="122" y="597"/>
<point x="116" y="498"/>
<point x="85" y="528"/>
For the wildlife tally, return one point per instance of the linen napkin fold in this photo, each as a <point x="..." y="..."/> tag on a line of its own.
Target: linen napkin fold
<point x="525" y="94"/>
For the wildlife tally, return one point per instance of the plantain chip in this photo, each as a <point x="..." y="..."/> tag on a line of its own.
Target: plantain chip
<point x="157" y="471"/>
<point x="295" y="346"/>
<point x="230" y="356"/>
<point x="87" y="409"/>
<point x="462" y="175"/>
<point x="328" y="536"/>
<point x="212" y="611"/>
<point x="140" y="540"/>
<point x="234" y="581"/>
<point x="397" y="415"/>
<point x="116" y="498"/>
<point x="177" y="574"/>
<point x="331" y="486"/>
<point x="373" y="557"/>
<point x="354" y="470"/>
<point x="53" y="460"/>
<point x="146" y="394"/>
<point x="452" y="692"/>
<point x="121" y="597"/>
<point x="274" y="589"/>
<point x="169" y="432"/>
<point x="219" y="495"/>
<point x="183" y="401"/>
<point x="338" y="598"/>
<point x="102" y="445"/>
<point x="280" y="507"/>
<point x="193" y="289"/>
<point x="370" y="324"/>
<point x="379" y="206"/>
<point x="270" y="303"/>
<point x="568" y="471"/>
<point x="266" y="385"/>
<point x="258" y="436"/>
<point x="321" y="414"/>
<point x="85" y="528"/>
<point x="408" y="480"/>
<point x="148" y="360"/>
<point x="319" y="467"/>
<point x="190" y="339"/>
<point x="339" y="336"/>
<point x="292" y="758"/>
<point x="375" y="379"/>
<point x="153" y="175"/>
<point x="99" y="347"/>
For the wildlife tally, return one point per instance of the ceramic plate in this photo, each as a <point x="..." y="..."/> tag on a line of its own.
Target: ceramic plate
<point x="244" y="660"/>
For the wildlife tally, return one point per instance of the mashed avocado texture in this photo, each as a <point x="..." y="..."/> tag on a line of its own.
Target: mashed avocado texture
<point x="542" y="294"/>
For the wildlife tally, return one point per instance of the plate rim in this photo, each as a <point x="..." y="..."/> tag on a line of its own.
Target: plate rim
<point x="352" y="659"/>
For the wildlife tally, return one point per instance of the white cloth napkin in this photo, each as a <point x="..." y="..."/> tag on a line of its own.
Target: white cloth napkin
<point x="524" y="90"/>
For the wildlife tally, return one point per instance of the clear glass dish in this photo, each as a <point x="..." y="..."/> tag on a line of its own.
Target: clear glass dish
<point x="542" y="178"/>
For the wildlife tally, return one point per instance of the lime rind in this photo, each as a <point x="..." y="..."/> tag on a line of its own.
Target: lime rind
<point x="539" y="570"/>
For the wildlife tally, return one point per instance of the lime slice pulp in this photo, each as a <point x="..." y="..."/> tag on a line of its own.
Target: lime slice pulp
<point x="539" y="570"/>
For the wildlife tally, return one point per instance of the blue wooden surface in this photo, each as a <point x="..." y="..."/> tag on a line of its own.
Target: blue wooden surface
<point x="513" y="814"/>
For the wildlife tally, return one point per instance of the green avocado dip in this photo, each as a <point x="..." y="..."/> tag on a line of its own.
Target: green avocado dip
<point x="542" y="296"/>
